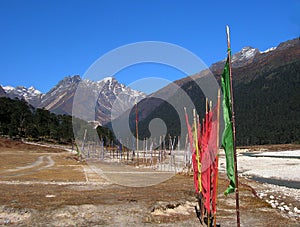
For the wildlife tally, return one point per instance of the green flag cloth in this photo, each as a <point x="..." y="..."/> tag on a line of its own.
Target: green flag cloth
<point x="227" y="137"/>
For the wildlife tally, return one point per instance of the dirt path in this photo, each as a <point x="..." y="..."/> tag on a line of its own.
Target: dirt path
<point x="41" y="163"/>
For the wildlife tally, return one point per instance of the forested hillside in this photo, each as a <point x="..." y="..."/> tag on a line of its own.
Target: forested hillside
<point x="266" y="100"/>
<point x="268" y="108"/>
<point x="18" y="119"/>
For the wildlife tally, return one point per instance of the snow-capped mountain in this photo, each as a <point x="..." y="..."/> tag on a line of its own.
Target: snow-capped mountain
<point x="245" y="56"/>
<point x="268" y="50"/>
<point x="60" y="98"/>
<point x="30" y="95"/>
<point x="104" y="92"/>
<point x="122" y="97"/>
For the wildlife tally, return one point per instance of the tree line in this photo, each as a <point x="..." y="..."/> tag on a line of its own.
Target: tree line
<point x="18" y="119"/>
<point x="267" y="106"/>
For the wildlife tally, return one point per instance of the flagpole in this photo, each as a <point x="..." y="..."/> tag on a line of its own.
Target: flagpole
<point x="209" y="214"/>
<point x="233" y="130"/>
<point x="217" y="158"/>
<point x="197" y="151"/>
<point x="137" y="131"/>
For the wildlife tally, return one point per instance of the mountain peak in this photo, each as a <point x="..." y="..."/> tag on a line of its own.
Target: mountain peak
<point x="107" y="79"/>
<point x="61" y="97"/>
<point x="65" y="82"/>
<point x="34" y="91"/>
<point x="245" y="56"/>
<point x="268" y="50"/>
<point x="30" y="95"/>
<point x="8" y="88"/>
<point x="71" y="79"/>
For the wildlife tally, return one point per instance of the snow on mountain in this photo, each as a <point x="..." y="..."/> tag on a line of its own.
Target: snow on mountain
<point x="8" y="88"/>
<point x="106" y="79"/>
<point x="22" y="91"/>
<point x="117" y="96"/>
<point x="34" y="91"/>
<point x="245" y="56"/>
<point x="104" y="92"/>
<point x="30" y="95"/>
<point x="268" y="50"/>
<point x="60" y="98"/>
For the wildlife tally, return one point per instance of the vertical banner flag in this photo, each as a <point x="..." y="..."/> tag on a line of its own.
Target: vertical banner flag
<point x="192" y="147"/>
<point x="227" y="137"/>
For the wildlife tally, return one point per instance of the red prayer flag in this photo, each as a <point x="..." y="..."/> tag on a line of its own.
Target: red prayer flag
<point x="194" y="158"/>
<point x="209" y="152"/>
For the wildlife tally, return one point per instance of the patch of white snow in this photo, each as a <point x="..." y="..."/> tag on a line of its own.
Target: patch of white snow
<point x="268" y="50"/>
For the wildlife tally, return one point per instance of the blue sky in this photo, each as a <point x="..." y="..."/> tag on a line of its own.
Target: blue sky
<point x="41" y="42"/>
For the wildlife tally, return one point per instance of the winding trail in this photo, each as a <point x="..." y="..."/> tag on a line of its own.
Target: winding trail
<point x="41" y="163"/>
<point x="38" y="162"/>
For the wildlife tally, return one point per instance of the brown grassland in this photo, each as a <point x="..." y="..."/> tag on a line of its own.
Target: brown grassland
<point x="43" y="186"/>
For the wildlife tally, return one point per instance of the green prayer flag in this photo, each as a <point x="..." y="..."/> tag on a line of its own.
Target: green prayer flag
<point x="227" y="137"/>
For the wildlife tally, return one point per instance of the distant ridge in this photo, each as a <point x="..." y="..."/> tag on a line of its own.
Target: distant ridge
<point x="60" y="98"/>
<point x="30" y="95"/>
<point x="266" y="90"/>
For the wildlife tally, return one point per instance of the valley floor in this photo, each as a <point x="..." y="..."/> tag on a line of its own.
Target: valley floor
<point x="49" y="187"/>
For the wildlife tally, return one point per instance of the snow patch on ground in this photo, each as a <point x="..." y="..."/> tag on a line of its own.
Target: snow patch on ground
<point x="280" y="165"/>
<point x="272" y="166"/>
<point x="294" y="153"/>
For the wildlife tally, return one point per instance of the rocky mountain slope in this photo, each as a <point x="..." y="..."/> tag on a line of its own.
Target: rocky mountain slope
<point x="31" y="95"/>
<point x="266" y="91"/>
<point x="60" y="98"/>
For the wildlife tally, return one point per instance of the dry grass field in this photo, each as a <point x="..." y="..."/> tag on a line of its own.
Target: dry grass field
<point x="43" y="186"/>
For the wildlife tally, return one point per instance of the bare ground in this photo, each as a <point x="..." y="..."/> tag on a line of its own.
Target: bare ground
<point x="41" y="186"/>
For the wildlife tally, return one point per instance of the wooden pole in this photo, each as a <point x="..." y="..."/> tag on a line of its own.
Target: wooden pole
<point x="137" y="131"/>
<point x="197" y="151"/>
<point x="217" y="158"/>
<point x="233" y="131"/>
